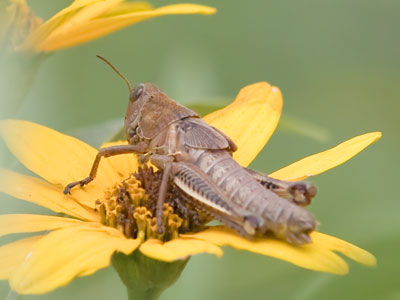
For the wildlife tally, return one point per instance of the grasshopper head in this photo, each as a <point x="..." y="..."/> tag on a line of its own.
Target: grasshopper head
<point x="150" y="112"/>
<point x="138" y="98"/>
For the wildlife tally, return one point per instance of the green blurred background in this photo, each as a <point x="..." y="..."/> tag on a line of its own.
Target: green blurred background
<point x="338" y="66"/>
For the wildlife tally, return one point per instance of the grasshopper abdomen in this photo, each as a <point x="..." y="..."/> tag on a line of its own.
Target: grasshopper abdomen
<point x="266" y="210"/>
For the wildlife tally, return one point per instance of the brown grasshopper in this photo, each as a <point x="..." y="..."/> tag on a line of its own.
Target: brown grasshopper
<point x="197" y="158"/>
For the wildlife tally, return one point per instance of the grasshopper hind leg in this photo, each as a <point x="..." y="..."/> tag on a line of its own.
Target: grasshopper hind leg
<point x="206" y="196"/>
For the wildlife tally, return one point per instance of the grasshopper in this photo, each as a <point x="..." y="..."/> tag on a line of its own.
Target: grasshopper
<point x="197" y="158"/>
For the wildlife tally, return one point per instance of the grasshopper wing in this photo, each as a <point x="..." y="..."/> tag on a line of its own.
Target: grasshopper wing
<point x="200" y="135"/>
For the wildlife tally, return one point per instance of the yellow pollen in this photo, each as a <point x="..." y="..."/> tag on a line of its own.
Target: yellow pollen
<point x="174" y="222"/>
<point x="129" y="208"/>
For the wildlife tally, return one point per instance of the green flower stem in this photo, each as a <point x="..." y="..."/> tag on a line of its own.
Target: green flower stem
<point x="146" y="278"/>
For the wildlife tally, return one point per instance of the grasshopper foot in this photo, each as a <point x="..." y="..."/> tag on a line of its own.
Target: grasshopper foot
<point x="82" y="182"/>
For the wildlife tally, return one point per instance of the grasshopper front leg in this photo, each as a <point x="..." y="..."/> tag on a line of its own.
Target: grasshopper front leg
<point x="297" y="192"/>
<point x="105" y="152"/>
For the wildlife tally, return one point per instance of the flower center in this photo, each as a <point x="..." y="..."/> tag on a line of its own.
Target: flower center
<point x="130" y="206"/>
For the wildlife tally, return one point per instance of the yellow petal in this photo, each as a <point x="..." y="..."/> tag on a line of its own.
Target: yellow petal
<point x="78" y="19"/>
<point x="67" y="253"/>
<point x="125" y="8"/>
<point x="355" y="253"/>
<point x="58" y="158"/>
<point x="250" y="120"/>
<point x="323" y="161"/>
<point x="180" y="248"/>
<point x="13" y="254"/>
<point x="66" y="18"/>
<point x="19" y="223"/>
<point x="44" y="194"/>
<point x="315" y="256"/>
<point x="83" y="29"/>
<point x="79" y="4"/>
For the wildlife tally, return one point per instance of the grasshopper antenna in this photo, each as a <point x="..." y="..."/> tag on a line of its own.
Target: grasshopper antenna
<point x="118" y="72"/>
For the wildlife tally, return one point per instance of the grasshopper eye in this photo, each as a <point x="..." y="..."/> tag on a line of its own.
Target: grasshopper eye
<point x="137" y="91"/>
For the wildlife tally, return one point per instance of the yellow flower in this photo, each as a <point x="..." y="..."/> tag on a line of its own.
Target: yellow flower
<point x="83" y="21"/>
<point x="81" y="245"/>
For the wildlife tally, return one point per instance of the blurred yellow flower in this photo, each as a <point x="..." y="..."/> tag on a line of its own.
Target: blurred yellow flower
<point x="83" y="21"/>
<point x="81" y="245"/>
